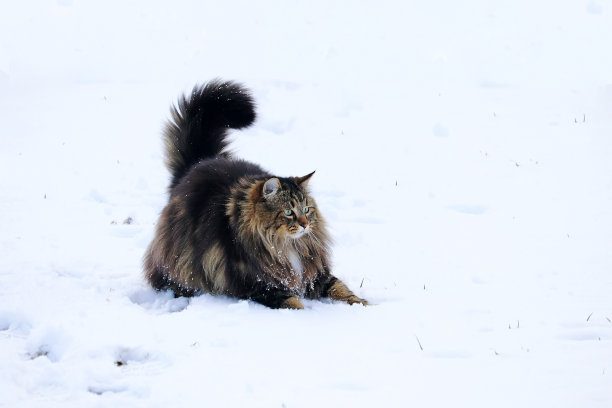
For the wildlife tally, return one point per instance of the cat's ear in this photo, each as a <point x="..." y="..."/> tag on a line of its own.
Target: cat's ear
<point x="303" y="181"/>
<point x="270" y="187"/>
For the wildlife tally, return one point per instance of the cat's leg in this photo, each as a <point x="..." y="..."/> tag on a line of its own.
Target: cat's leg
<point x="333" y="288"/>
<point x="277" y="299"/>
<point x="339" y="291"/>
<point x="291" y="303"/>
<point x="160" y="281"/>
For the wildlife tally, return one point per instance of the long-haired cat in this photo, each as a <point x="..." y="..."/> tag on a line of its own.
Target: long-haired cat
<point x="230" y="227"/>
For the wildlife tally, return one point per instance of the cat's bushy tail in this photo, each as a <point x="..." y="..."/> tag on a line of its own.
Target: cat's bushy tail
<point x="199" y="124"/>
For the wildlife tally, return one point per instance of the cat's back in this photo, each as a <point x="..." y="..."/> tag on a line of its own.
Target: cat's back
<point x="210" y="181"/>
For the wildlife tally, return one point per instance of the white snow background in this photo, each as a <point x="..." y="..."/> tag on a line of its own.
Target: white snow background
<point x="464" y="162"/>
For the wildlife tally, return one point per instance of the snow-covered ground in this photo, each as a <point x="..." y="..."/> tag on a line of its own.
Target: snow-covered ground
<point x="463" y="155"/>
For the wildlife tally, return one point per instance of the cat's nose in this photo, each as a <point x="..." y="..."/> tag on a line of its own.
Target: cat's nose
<point x="303" y="222"/>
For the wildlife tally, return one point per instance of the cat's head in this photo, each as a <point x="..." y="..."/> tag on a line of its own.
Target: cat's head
<point x="286" y="207"/>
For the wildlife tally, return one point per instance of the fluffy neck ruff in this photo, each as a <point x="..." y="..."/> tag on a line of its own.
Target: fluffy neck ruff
<point x="294" y="263"/>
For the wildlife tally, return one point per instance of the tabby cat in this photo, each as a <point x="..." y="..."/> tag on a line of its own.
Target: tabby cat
<point x="230" y="227"/>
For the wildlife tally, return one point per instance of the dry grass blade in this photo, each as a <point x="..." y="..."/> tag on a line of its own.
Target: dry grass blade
<point x="418" y="341"/>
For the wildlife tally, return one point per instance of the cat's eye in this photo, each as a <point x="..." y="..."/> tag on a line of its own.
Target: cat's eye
<point x="288" y="212"/>
<point x="306" y="209"/>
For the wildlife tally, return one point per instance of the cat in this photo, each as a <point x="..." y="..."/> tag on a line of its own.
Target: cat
<point x="230" y="227"/>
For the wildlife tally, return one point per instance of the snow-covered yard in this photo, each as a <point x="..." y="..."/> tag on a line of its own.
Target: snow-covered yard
<point x="463" y="155"/>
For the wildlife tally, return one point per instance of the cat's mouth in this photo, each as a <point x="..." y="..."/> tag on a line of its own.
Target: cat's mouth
<point x="300" y="232"/>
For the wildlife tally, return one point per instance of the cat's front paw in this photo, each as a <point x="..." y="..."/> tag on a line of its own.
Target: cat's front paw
<point x="355" y="299"/>
<point x="292" y="303"/>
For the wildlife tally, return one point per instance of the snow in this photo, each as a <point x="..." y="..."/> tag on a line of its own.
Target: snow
<point x="462" y="152"/>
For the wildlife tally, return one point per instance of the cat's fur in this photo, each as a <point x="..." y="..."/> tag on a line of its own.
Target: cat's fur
<point x="225" y="229"/>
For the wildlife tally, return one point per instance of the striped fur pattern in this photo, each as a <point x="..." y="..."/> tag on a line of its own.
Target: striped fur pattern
<point x="230" y="227"/>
